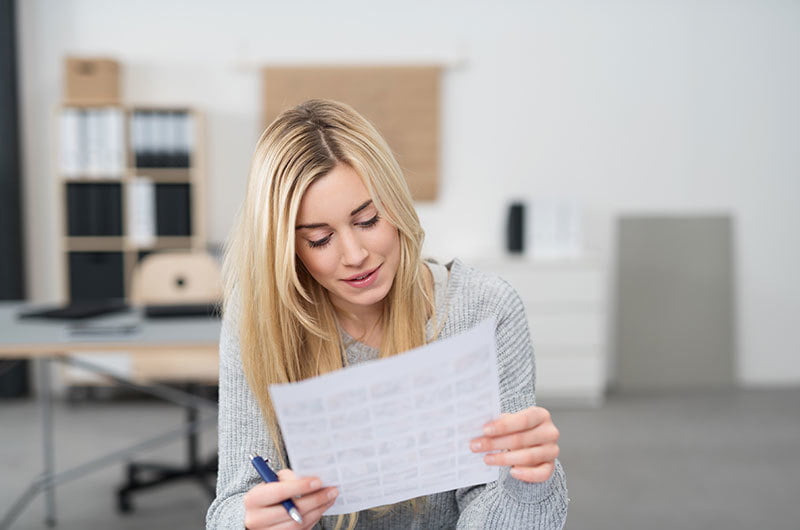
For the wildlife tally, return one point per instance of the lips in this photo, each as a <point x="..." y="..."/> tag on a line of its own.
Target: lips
<point x="363" y="279"/>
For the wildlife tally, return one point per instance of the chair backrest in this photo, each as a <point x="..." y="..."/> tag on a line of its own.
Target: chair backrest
<point x="177" y="277"/>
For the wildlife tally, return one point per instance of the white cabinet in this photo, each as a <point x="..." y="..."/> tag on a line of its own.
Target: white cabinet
<point x="566" y="302"/>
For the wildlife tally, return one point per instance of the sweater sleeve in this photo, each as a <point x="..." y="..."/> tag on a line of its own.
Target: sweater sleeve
<point x="241" y="432"/>
<point x="508" y="502"/>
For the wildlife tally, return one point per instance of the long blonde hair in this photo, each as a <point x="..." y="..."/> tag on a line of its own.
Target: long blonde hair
<point x="288" y="327"/>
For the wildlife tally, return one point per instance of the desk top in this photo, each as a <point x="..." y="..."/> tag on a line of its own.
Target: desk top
<point x="130" y="332"/>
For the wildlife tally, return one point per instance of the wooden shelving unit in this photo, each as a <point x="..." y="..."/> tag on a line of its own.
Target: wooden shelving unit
<point x="96" y="232"/>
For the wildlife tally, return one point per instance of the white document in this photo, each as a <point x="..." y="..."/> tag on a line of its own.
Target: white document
<point x="71" y="165"/>
<point x="392" y="429"/>
<point x="141" y="210"/>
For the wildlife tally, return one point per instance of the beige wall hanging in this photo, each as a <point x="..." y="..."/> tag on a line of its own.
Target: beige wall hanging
<point x="401" y="101"/>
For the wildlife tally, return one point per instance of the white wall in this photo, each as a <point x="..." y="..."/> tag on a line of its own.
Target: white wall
<point x="662" y="106"/>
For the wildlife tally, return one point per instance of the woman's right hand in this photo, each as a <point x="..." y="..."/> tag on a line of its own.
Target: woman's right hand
<point x="263" y="508"/>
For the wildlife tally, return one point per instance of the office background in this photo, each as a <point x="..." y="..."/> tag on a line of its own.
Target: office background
<point x="632" y="108"/>
<point x="628" y="106"/>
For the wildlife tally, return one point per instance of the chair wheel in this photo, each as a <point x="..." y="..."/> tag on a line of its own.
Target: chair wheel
<point x="124" y="503"/>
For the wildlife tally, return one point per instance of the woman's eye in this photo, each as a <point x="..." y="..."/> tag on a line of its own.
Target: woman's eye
<point x="319" y="242"/>
<point x="370" y="223"/>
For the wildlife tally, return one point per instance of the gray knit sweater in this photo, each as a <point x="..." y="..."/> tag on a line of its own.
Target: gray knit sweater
<point x="464" y="297"/>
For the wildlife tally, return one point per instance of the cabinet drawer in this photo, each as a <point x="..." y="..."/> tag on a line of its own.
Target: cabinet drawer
<point x="545" y="285"/>
<point x="558" y="287"/>
<point x="578" y="329"/>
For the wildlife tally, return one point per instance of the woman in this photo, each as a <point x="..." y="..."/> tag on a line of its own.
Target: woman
<point x="323" y="271"/>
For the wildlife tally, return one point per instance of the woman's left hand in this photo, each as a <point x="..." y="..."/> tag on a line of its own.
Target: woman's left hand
<point x="528" y="439"/>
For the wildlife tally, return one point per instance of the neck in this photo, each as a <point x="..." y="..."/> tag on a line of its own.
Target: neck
<point x="362" y="323"/>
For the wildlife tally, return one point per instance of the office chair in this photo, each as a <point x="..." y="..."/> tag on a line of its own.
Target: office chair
<point x="177" y="281"/>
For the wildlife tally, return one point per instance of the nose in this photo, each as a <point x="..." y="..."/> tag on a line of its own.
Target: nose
<point x="353" y="251"/>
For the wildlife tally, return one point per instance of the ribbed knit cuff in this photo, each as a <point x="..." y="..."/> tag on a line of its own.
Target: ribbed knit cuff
<point x="229" y="515"/>
<point x="533" y="492"/>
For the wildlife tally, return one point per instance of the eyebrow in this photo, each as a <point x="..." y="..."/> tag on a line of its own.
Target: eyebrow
<point x="320" y="225"/>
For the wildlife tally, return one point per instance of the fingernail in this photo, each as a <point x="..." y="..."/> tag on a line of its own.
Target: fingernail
<point x="315" y="484"/>
<point x="475" y="446"/>
<point x="332" y="494"/>
<point x="489" y="459"/>
<point x="489" y="430"/>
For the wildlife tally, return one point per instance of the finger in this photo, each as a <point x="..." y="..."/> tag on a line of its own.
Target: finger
<point x="311" y="502"/>
<point x="527" y="457"/>
<point x="518" y="421"/>
<point x="266" y="517"/>
<point x="316" y="515"/>
<point x="539" y="473"/>
<point x="286" y="474"/>
<point x="309" y="519"/>
<point x="277" y="513"/>
<point x="270" y="493"/>
<point x="539" y="435"/>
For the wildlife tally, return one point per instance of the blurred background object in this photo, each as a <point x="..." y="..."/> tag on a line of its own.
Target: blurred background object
<point x="401" y="101"/>
<point x="652" y="146"/>
<point x="14" y="373"/>
<point x="675" y="304"/>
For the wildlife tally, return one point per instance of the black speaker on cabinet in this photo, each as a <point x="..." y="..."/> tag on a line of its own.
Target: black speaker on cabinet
<point x="515" y="229"/>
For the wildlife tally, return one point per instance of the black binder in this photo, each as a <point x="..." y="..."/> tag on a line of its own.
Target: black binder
<point x="96" y="276"/>
<point x="173" y="210"/>
<point x="94" y="209"/>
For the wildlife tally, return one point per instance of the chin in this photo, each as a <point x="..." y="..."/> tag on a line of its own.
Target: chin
<point x="368" y="299"/>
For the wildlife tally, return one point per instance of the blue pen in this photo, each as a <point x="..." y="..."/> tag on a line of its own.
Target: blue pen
<point x="269" y="476"/>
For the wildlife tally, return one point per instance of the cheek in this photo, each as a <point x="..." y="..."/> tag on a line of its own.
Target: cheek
<point x="384" y="239"/>
<point x="317" y="262"/>
<point x="391" y="242"/>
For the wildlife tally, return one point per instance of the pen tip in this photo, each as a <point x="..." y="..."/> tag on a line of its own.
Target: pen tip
<point x="252" y="456"/>
<point x="294" y="514"/>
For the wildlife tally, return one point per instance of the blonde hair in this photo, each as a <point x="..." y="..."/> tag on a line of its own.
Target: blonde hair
<point x="288" y="327"/>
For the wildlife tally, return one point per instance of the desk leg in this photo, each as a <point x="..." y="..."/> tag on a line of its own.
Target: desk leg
<point x="46" y="402"/>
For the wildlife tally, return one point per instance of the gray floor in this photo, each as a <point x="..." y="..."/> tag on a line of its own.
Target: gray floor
<point x="728" y="460"/>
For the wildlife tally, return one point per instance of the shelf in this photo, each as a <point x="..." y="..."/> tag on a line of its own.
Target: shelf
<point x="164" y="243"/>
<point x="87" y="105"/>
<point x="102" y="211"/>
<point x="163" y="174"/>
<point x="156" y="174"/>
<point x="86" y="179"/>
<point x="93" y="243"/>
<point x="119" y="244"/>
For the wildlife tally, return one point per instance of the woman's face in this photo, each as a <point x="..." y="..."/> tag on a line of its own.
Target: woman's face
<point x="343" y="242"/>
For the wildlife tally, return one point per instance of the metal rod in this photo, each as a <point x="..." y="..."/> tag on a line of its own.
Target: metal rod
<point x="118" y="455"/>
<point x="22" y="501"/>
<point x="49" y="478"/>
<point x="160" y="391"/>
<point x="45" y="481"/>
<point x="45" y="399"/>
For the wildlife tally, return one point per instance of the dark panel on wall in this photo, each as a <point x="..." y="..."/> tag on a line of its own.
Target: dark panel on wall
<point x="11" y="278"/>
<point x="13" y="374"/>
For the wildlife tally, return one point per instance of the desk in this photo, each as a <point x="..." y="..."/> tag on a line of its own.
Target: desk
<point x="48" y="341"/>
